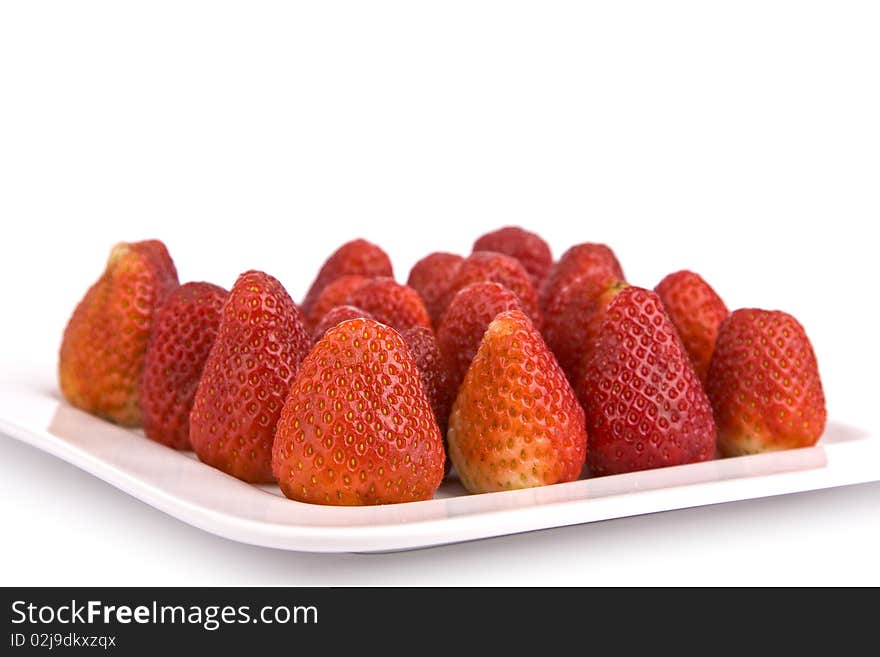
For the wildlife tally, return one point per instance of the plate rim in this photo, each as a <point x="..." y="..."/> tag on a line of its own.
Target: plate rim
<point x="852" y="461"/>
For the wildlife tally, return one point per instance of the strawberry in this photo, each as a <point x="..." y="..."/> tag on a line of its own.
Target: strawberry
<point x="516" y="422"/>
<point x="357" y="427"/>
<point x="335" y="316"/>
<point x="644" y="404"/>
<point x="529" y="248"/>
<point x="764" y="384"/>
<point x="432" y="277"/>
<point x="697" y="311"/>
<point x="184" y="329"/>
<point x="102" y="352"/>
<point x="260" y="343"/>
<point x="464" y="323"/>
<point x="356" y="257"/>
<point x="335" y="293"/>
<point x="573" y="317"/>
<point x="422" y="345"/>
<point x="580" y="260"/>
<point x="391" y="303"/>
<point x="487" y="266"/>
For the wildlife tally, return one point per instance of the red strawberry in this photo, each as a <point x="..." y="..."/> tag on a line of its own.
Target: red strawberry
<point x="697" y="311"/>
<point x="357" y="427"/>
<point x="573" y="317"/>
<point x="532" y="251"/>
<point x="335" y="316"/>
<point x="102" y="352"/>
<point x="764" y="384"/>
<point x="259" y="345"/>
<point x="356" y="257"/>
<point x="184" y="329"/>
<point x="580" y="260"/>
<point x="644" y="403"/>
<point x="432" y="277"/>
<point x="516" y="422"/>
<point x="466" y="320"/>
<point x="422" y="345"/>
<point x="487" y="266"/>
<point x="391" y="303"/>
<point x="334" y="294"/>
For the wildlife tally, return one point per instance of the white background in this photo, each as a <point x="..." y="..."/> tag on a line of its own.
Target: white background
<point x="741" y="140"/>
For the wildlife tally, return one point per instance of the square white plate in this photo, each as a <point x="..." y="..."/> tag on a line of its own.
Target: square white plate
<point x="181" y="486"/>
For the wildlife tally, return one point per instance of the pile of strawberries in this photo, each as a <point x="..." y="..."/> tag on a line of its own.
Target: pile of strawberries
<point x="516" y="369"/>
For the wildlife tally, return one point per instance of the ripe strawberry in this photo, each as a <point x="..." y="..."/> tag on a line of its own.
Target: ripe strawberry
<point x="464" y="324"/>
<point x="697" y="311"/>
<point x="335" y="316"/>
<point x="764" y="384"/>
<point x="580" y="260"/>
<point x="422" y="345"/>
<point x="516" y="422"/>
<point x="357" y="427"/>
<point x="432" y="277"/>
<point x="530" y="249"/>
<point x="102" y="352"/>
<point x="184" y="329"/>
<point x="335" y="293"/>
<point x="259" y="345"/>
<point x="487" y="266"/>
<point x="573" y="317"/>
<point x="391" y="303"/>
<point x="356" y="257"/>
<point x="644" y="404"/>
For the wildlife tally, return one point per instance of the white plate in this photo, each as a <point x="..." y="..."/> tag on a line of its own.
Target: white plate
<point x="181" y="486"/>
